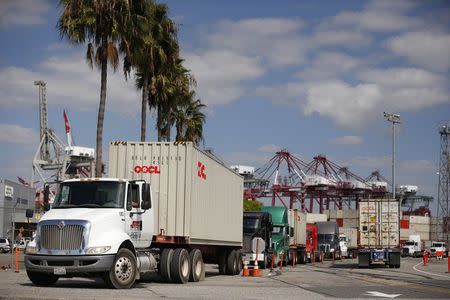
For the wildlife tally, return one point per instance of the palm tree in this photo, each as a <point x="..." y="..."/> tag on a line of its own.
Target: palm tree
<point x="189" y="119"/>
<point x="154" y="51"/>
<point x="98" y="23"/>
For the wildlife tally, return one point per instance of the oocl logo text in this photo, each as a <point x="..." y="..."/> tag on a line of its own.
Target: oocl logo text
<point x="147" y="169"/>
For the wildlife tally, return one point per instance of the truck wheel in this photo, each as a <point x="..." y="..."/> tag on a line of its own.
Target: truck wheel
<point x="164" y="264"/>
<point x="123" y="272"/>
<point x="197" y="265"/>
<point x="42" y="279"/>
<point x="179" y="266"/>
<point x="232" y="263"/>
<point x="239" y="261"/>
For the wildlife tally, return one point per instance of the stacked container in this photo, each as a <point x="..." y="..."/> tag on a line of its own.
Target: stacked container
<point x="415" y="225"/>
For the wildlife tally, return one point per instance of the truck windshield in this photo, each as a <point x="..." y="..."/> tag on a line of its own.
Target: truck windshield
<point x="278" y="229"/>
<point x="410" y="243"/>
<point x="437" y="245"/>
<point x="251" y="225"/>
<point x="342" y="239"/>
<point x="95" y="194"/>
<point x="325" y="238"/>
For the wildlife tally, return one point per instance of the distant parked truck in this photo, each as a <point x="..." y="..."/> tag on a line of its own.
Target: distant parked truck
<point x="328" y="239"/>
<point x="167" y="207"/>
<point x="348" y="238"/>
<point x="438" y="249"/>
<point x="379" y="232"/>
<point x="413" y="246"/>
<point x="257" y="225"/>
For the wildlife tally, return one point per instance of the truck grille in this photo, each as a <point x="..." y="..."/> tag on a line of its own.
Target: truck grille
<point x="68" y="237"/>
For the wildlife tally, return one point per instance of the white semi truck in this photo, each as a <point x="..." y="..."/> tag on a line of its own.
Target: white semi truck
<point x="413" y="246"/>
<point x="166" y="207"/>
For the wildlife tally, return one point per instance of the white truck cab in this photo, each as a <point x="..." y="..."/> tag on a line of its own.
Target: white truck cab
<point x="438" y="248"/>
<point x="413" y="246"/>
<point x="343" y="242"/>
<point x="96" y="226"/>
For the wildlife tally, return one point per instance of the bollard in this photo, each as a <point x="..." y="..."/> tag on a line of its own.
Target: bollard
<point x="332" y="258"/>
<point x="272" y="262"/>
<point x="448" y="263"/>
<point x="322" y="256"/>
<point x="294" y="258"/>
<point x="281" y="261"/>
<point x="313" y="258"/>
<point x="17" y="260"/>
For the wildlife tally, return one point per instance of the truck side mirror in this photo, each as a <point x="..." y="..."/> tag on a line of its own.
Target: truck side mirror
<point x="46" y="197"/>
<point x="146" y="196"/>
<point x="29" y="213"/>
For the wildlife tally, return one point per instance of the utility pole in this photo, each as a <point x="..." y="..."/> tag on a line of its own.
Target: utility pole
<point x="394" y="119"/>
<point x="443" y="207"/>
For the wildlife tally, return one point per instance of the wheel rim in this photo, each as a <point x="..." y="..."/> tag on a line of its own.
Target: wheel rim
<point x="123" y="269"/>
<point x="198" y="268"/>
<point x="185" y="268"/>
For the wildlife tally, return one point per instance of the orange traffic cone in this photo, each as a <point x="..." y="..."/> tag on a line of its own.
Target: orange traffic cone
<point x="255" y="271"/>
<point x="245" y="271"/>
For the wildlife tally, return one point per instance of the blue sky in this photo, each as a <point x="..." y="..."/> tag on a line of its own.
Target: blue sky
<point x="310" y="76"/>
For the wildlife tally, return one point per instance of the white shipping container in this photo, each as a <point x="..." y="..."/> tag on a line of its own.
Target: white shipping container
<point x="419" y="220"/>
<point x="350" y="223"/>
<point x="352" y="236"/>
<point x="297" y="220"/>
<point x="313" y="218"/>
<point x="193" y="195"/>
<point x="350" y="214"/>
<point x="379" y="223"/>
<point x="419" y="227"/>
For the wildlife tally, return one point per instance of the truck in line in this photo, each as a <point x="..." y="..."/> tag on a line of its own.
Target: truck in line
<point x="379" y="232"/>
<point x="413" y="246"/>
<point x="328" y="239"/>
<point x="438" y="248"/>
<point x="303" y="241"/>
<point x="257" y="225"/>
<point x="348" y="238"/>
<point x="281" y="234"/>
<point x="166" y="207"/>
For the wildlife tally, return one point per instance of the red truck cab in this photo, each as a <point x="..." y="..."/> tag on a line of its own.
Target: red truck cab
<point x="311" y="240"/>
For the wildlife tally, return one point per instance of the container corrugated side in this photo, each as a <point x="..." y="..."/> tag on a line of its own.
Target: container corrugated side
<point x="419" y="220"/>
<point x="379" y="223"/>
<point x="194" y="196"/>
<point x="297" y="220"/>
<point x="312" y="218"/>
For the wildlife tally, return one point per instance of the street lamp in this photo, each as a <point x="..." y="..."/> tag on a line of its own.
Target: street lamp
<point x="394" y="119"/>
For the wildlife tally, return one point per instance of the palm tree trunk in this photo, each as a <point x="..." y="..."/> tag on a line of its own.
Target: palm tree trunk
<point x="158" y="122"/>
<point x="101" y="111"/>
<point x="144" y="108"/>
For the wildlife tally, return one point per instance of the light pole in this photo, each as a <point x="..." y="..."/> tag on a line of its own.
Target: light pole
<point x="394" y="119"/>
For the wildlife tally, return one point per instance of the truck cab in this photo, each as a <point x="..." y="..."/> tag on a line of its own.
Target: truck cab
<point x="343" y="244"/>
<point x="438" y="249"/>
<point x="257" y="225"/>
<point x="281" y="232"/>
<point x="413" y="246"/>
<point x="311" y="241"/>
<point x="328" y="238"/>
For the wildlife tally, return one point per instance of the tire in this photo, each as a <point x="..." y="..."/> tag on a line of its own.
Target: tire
<point x="179" y="266"/>
<point x="197" y="266"/>
<point x="239" y="261"/>
<point x="232" y="263"/>
<point x="122" y="274"/>
<point x="2" y="250"/>
<point x="164" y="264"/>
<point x="42" y="279"/>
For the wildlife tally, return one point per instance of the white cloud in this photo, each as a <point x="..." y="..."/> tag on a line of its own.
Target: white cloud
<point x="219" y="74"/>
<point x="14" y="134"/>
<point x="70" y="82"/>
<point x="269" y="148"/>
<point x="23" y="12"/>
<point x="347" y="140"/>
<point x="328" y="65"/>
<point x="247" y="158"/>
<point x="277" y="41"/>
<point x="427" y="49"/>
<point x="340" y="37"/>
<point x="349" y="106"/>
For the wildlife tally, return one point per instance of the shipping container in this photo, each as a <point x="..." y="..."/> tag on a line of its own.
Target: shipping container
<point x="297" y="221"/>
<point x="194" y="195"/>
<point x="312" y="218"/>
<point x="379" y="223"/>
<point x="419" y="220"/>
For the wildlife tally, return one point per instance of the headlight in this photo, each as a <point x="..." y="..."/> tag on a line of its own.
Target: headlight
<point x="30" y="250"/>
<point x="98" y="250"/>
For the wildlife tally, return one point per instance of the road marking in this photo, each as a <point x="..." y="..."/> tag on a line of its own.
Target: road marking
<point x="429" y="273"/>
<point x="378" y="294"/>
